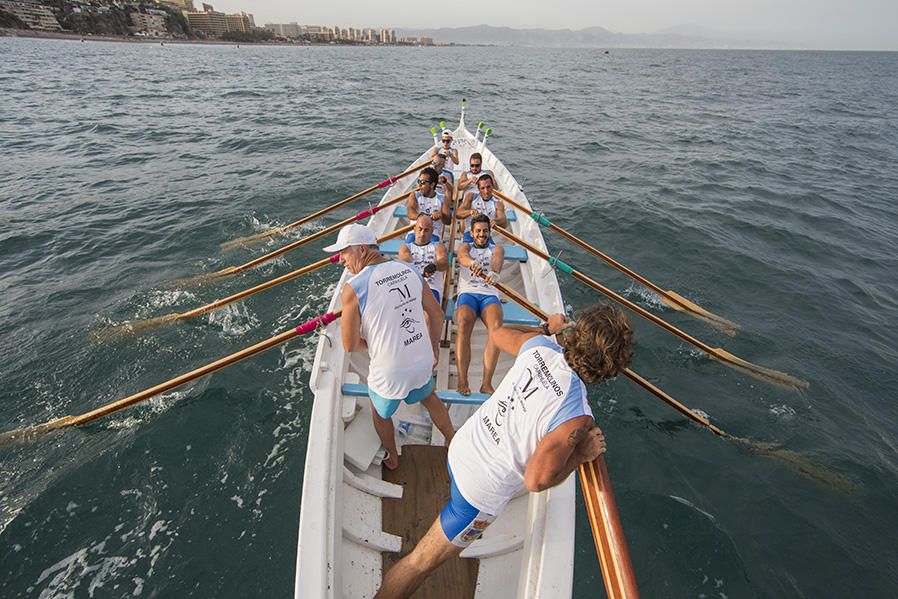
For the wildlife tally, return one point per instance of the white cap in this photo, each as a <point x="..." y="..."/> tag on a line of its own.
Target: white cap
<point x="447" y="133"/>
<point x="354" y="234"/>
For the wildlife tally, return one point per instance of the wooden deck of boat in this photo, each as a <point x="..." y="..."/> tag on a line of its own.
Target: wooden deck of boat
<point x="422" y="472"/>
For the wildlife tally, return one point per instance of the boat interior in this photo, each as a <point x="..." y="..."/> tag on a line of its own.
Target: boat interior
<point x="384" y="513"/>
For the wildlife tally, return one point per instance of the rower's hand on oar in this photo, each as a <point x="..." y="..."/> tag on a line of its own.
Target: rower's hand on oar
<point x="592" y="445"/>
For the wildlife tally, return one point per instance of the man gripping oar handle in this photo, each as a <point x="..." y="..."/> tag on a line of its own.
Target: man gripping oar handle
<point x="278" y="230"/>
<point x="670" y="298"/>
<point x="719" y="354"/>
<point x="601" y="507"/>
<point x="30" y="432"/>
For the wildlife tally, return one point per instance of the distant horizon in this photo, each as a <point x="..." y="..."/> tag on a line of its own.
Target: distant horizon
<point x="788" y="24"/>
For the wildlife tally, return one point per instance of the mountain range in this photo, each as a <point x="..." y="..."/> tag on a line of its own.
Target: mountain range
<point x="685" y="36"/>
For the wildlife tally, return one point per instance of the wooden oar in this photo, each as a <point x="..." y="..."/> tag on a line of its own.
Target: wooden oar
<point x="323" y="211"/>
<point x="30" y="432"/>
<point x="671" y="298"/>
<point x="771" y="450"/>
<point x="607" y="531"/>
<point x="768" y="375"/>
<point x="142" y="326"/>
<point x="233" y="270"/>
<point x="447" y="281"/>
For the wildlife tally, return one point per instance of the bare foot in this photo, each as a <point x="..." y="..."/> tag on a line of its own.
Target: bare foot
<point x="391" y="461"/>
<point x="464" y="388"/>
<point x="488" y="389"/>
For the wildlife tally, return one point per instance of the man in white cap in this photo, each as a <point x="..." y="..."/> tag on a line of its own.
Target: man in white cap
<point x="445" y="149"/>
<point x="383" y="313"/>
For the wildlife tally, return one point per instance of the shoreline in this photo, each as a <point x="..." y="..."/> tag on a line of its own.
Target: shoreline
<point x="127" y="39"/>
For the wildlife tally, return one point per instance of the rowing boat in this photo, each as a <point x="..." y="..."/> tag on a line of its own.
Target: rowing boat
<point x="358" y="518"/>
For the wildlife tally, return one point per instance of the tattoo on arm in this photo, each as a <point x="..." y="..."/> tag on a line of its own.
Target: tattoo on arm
<point x="575" y="437"/>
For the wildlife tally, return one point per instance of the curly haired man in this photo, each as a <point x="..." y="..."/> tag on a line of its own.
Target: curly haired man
<point x="531" y="433"/>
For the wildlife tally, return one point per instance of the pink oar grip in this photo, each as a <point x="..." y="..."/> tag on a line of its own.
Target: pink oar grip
<point x="318" y="321"/>
<point x="386" y="182"/>
<point x="367" y="213"/>
<point x="335" y="258"/>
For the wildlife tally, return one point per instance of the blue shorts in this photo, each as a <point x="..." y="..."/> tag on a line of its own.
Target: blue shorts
<point x="476" y="301"/>
<point x="386" y="407"/>
<point x="462" y="523"/>
<point x="436" y="294"/>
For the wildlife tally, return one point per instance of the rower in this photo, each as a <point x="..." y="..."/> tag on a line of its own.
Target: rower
<point x="427" y="200"/>
<point x="530" y="434"/>
<point x="477" y="299"/>
<point x="468" y="180"/>
<point x="423" y="249"/>
<point x="446" y="150"/>
<point x="445" y="179"/>
<point x="383" y="313"/>
<point x="483" y="202"/>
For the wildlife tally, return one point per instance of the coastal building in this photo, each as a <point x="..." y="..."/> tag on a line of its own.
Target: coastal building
<point x="149" y="23"/>
<point x="209" y="21"/>
<point x="33" y="14"/>
<point x="241" y="21"/>
<point x="388" y="36"/>
<point x="317" y="33"/>
<point x="284" y="30"/>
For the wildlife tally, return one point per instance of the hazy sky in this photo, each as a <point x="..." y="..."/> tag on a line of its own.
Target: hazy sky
<point x="826" y="23"/>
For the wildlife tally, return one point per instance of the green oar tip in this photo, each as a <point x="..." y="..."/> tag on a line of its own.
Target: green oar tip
<point x="489" y="131"/>
<point x="480" y="125"/>
<point x="433" y="130"/>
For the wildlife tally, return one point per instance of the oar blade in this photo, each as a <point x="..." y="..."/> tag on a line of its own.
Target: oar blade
<point x="133" y="327"/>
<point x="30" y="433"/>
<point x="801" y="464"/>
<point x="768" y="375"/>
<point x="203" y="279"/>
<point x="251" y="239"/>
<point x="681" y="304"/>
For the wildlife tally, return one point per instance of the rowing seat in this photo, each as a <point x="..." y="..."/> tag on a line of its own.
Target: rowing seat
<point x="401" y="211"/>
<point x="450" y="397"/>
<point x="513" y="253"/>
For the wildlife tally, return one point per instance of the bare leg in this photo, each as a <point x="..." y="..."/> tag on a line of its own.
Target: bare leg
<point x="405" y="577"/>
<point x="465" y="319"/>
<point x="384" y="428"/>
<point x="440" y="416"/>
<point x="492" y="318"/>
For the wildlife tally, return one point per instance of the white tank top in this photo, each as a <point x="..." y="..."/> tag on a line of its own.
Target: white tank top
<point x="432" y="206"/>
<point x="468" y="282"/>
<point x="393" y="325"/>
<point x="487" y="207"/>
<point x="472" y="178"/>
<point x="450" y="163"/>
<point x="422" y="255"/>
<point x="490" y="452"/>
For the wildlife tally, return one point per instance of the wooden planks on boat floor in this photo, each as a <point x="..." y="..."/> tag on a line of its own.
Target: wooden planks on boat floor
<point x="422" y="472"/>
